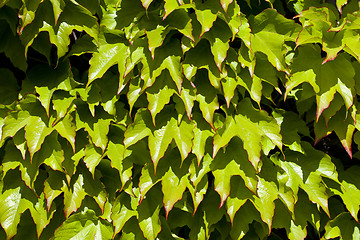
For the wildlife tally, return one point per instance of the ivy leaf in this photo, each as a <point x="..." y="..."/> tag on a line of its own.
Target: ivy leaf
<point x="200" y="57"/>
<point x="238" y="196"/>
<point x="146" y="3"/>
<point x="326" y="79"/>
<point x="170" y="6"/>
<point x="246" y="215"/>
<point x="131" y="230"/>
<point x="188" y="96"/>
<point x="14" y="203"/>
<point x="74" y="16"/>
<point x="207" y="98"/>
<point x="97" y="127"/>
<point x="225" y="4"/>
<point x="219" y="36"/>
<point x="160" y="140"/>
<point x="41" y="215"/>
<point x="117" y="154"/>
<point x="270" y="31"/>
<point x="341" y="124"/>
<point x="13" y="122"/>
<point x="84" y="225"/>
<point x="13" y="159"/>
<point x="139" y="129"/>
<point x="159" y="95"/>
<point x="349" y="191"/>
<point x="67" y="129"/>
<point x="74" y="195"/>
<point x="291" y="128"/>
<point x="308" y="176"/>
<point x="168" y="129"/>
<point x="232" y="162"/>
<point x="58" y="6"/>
<point x="51" y="153"/>
<point x="202" y="132"/>
<point x="267" y="193"/>
<point x="342" y="226"/>
<point x="180" y="20"/>
<point x="53" y="186"/>
<point x="121" y="211"/>
<point x="35" y="133"/>
<point x="20" y="142"/>
<point x="173" y="187"/>
<point x="252" y="127"/>
<point x="92" y="158"/>
<point x="62" y="101"/>
<point x="168" y="57"/>
<point x="206" y="14"/>
<point x="148" y="214"/>
<point x="107" y="56"/>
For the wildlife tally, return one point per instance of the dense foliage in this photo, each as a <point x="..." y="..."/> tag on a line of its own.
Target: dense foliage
<point x="179" y="119"/>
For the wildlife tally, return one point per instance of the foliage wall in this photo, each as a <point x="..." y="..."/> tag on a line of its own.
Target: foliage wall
<point x="179" y="119"/>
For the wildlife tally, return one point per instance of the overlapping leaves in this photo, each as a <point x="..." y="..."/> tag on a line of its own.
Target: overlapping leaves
<point x="178" y="119"/>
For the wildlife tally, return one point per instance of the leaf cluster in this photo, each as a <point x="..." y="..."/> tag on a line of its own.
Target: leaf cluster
<point x="179" y="119"/>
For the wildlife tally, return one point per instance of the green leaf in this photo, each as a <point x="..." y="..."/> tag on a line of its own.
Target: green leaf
<point x="326" y="79"/>
<point x="169" y="6"/>
<point x="51" y="152"/>
<point x="108" y="55"/>
<point x="146" y="3"/>
<point x="238" y="196"/>
<point x="132" y="230"/>
<point x="92" y="158"/>
<point x="202" y="132"/>
<point x="13" y="159"/>
<point x="206" y="97"/>
<point x="74" y="195"/>
<point x="84" y="225"/>
<point x="225" y="4"/>
<point x="117" y="154"/>
<point x="200" y="57"/>
<point x="159" y="95"/>
<point x="35" y="133"/>
<point x="67" y="129"/>
<point x="350" y="191"/>
<point x="253" y="127"/>
<point x="20" y="142"/>
<point x="341" y="124"/>
<point x="41" y="215"/>
<point x="167" y="130"/>
<point x="139" y="129"/>
<point x="53" y="186"/>
<point x="14" y="204"/>
<point x="97" y="127"/>
<point x="219" y="36"/>
<point x="306" y="174"/>
<point x="61" y="103"/>
<point x="206" y="14"/>
<point x="342" y="226"/>
<point x="13" y="122"/>
<point x="58" y="6"/>
<point x="173" y="187"/>
<point x="148" y="214"/>
<point x="291" y="128"/>
<point x="168" y="57"/>
<point x="246" y="215"/>
<point x="122" y="211"/>
<point x="270" y="31"/>
<point x="267" y="193"/>
<point x="229" y="163"/>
